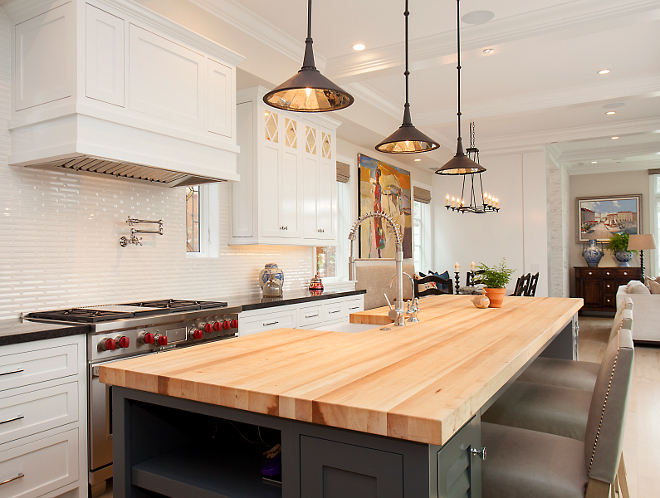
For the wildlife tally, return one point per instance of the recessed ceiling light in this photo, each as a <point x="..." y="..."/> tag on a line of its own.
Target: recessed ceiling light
<point x="604" y="71"/>
<point x="478" y="17"/>
<point x="417" y="160"/>
<point x="488" y="50"/>
<point x="594" y="162"/>
<point x="358" y="46"/>
<point x="610" y="112"/>
<point x="615" y="138"/>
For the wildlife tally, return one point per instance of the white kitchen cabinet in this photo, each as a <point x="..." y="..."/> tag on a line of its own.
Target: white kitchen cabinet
<point x="43" y="418"/>
<point x="112" y="79"/>
<point x="288" y="192"/>
<point x="308" y="315"/>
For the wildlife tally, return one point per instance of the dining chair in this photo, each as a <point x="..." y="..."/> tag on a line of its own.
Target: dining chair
<point x="469" y="281"/>
<point x="442" y="286"/>
<point x="533" y="464"/>
<point x="530" y="290"/>
<point x="521" y="285"/>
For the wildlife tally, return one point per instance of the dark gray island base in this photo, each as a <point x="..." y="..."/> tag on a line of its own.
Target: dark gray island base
<point x="167" y="446"/>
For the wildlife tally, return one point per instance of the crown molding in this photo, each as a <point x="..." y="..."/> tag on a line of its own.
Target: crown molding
<point x="648" y="86"/>
<point x="258" y="28"/>
<point x="613" y="152"/>
<point x="612" y="168"/>
<point x="577" y="16"/>
<point x="375" y="98"/>
<point x="553" y="153"/>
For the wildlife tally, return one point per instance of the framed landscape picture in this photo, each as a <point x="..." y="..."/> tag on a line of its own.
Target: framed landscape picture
<point x="384" y="187"/>
<point x="601" y="217"/>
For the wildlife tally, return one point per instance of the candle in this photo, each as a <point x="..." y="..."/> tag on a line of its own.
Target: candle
<point x="447" y="201"/>
<point x="497" y="202"/>
<point x="453" y="200"/>
<point x="457" y="267"/>
<point x="472" y="267"/>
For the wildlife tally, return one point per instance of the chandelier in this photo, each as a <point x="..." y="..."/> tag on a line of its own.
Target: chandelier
<point x="487" y="203"/>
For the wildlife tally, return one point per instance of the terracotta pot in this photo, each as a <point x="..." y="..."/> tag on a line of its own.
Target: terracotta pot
<point x="496" y="297"/>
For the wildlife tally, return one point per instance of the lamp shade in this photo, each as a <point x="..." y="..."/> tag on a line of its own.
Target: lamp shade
<point x="460" y="164"/>
<point x="407" y="139"/>
<point x="641" y="242"/>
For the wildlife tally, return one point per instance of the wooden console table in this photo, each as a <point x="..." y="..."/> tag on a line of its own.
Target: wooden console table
<point x="598" y="286"/>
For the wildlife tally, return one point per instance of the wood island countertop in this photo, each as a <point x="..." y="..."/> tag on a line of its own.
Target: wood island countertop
<point x="421" y="382"/>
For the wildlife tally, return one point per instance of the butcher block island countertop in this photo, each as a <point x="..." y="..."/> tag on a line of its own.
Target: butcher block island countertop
<point x="421" y="382"/>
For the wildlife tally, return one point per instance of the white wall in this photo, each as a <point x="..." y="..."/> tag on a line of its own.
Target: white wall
<point x="518" y="232"/>
<point x="629" y="182"/>
<point x="59" y="238"/>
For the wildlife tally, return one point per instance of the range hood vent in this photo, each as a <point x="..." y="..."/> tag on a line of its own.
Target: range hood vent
<point x="98" y="165"/>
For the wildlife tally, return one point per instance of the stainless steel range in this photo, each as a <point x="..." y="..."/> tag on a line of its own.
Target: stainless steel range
<point x="128" y="330"/>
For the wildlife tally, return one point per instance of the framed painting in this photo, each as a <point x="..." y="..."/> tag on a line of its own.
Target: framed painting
<point x="601" y="217"/>
<point x="383" y="187"/>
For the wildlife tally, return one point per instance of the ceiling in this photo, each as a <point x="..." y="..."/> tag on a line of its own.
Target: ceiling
<point x="539" y="87"/>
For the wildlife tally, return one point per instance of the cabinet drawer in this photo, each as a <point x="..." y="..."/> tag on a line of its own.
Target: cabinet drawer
<point x="39" y="467"/>
<point x="608" y="286"/>
<point x="38" y="410"/>
<point x="608" y="301"/>
<point x="267" y="321"/>
<point x="311" y="315"/>
<point x="587" y="273"/>
<point x="354" y="305"/>
<point x="628" y="273"/>
<point x="608" y="273"/>
<point x="29" y="367"/>
<point x="334" y="311"/>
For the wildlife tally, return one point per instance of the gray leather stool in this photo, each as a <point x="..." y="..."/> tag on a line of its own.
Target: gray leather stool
<point x="524" y="463"/>
<point x="575" y="374"/>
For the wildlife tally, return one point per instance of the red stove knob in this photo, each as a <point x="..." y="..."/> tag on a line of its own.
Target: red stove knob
<point x="107" y="345"/>
<point x="198" y="334"/>
<point x="147" y="338"/>
<point x="226" y="325"/>
<point x="123" y="342"/>
<point x="161" y="340"/>
<point x="234" y="324"/>
<point x="208" y="328"/>
<point x="217" y="326"/>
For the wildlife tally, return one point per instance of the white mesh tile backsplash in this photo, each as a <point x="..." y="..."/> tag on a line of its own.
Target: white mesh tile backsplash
<point x="59" y="238"/>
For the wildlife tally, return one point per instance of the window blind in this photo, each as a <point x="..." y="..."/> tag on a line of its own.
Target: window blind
<point x="343" y="172"/>
<point x="421" y="195"/>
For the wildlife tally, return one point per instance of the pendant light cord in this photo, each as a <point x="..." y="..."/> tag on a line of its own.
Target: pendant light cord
<point x="458" y="67"/>
<point x="309" y="20"/>
<point x="406" y="72"/>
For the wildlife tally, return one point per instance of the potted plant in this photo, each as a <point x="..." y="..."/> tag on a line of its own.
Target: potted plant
<point x="618" y="246"/>
<point x="495" y="279"/>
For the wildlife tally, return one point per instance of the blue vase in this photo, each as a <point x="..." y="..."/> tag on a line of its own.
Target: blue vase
<point x="271" y="269"/>
<point x="623" y="257"/>
<point x="592" y="254"/>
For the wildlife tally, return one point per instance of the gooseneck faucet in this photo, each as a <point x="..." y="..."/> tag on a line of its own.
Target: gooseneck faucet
<point x="400" y="319"/>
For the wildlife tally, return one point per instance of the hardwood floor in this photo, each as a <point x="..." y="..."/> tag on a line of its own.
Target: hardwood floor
<point x="641" y="445"/>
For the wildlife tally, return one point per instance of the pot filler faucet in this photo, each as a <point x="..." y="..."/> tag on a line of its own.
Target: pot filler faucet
<point x="400" y="319"/>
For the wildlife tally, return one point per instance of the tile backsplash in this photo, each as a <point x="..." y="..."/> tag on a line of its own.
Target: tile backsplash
<point x="59" y="238"/>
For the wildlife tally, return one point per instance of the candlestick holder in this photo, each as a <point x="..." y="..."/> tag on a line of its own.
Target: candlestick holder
<point x="457" y="279"/>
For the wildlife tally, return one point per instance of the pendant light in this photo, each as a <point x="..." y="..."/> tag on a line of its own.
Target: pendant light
<point x="308" y="90"/>
<point x="407" y="139"/>
<point x="460" y="164"/>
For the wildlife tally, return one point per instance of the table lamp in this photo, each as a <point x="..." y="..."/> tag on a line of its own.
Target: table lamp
<point x="639" y="243"/>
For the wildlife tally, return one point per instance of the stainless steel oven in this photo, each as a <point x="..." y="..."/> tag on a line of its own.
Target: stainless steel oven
<point x="127" y="331"/>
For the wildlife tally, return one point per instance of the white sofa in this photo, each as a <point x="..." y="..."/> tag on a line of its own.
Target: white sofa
<point x="646" y="307"/>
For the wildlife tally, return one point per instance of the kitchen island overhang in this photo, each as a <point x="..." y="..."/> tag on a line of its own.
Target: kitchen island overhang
<point x="418" y="384"/>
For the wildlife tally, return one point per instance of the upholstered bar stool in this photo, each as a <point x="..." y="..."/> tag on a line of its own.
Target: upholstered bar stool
<point x="575" y="374"/>
<point x="523" y="463"/>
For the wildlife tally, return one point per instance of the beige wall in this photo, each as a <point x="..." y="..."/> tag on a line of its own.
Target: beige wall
<point x="632" y="182"/>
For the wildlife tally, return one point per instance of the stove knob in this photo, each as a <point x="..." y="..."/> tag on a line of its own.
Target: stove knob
<point x="234" y="324"/>
<point x="198" y="334"/>
<point x="208" y="328"/>
<point x="146" y="338"/>
<point x="107" y="345"/>
<point x="217" y="326"/>
<point x="160" y="340"/>
<point x="226" y="325"/>
<point x="123" y="342"/>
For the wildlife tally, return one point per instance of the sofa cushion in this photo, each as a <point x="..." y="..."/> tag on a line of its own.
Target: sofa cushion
<point x="654" y="285"/>
<point x="637" y="287"/>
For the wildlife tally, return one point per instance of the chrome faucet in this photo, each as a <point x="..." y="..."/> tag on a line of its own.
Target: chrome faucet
<point x="413" y="304"/>
<point x="400" y="318"/>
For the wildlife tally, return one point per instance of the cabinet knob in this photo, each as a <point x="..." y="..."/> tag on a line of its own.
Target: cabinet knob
<point x="481" y="452"/>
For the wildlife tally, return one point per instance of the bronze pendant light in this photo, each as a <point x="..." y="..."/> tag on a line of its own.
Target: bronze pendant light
<point x="407" y="139"/>
<point x="308" y="90"/>
<point x="460" y="164"/>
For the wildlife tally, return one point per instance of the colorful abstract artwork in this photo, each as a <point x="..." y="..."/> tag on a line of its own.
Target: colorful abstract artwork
<point x="386" y="188"/>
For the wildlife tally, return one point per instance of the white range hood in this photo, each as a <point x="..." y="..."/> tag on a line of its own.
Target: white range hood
<point x="109" y="87"/>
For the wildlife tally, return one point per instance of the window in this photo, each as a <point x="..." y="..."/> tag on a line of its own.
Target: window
<point x="202" y="220"/>
<point x="422" y="235"/>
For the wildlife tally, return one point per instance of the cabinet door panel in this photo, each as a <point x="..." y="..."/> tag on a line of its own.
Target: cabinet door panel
<point x="459" y="472"/>
<point x="44" y="65"/>
<point x="591" y="292"/>
<point x="268" y="195"/>
<point x="221" y="84"/>
<point x="104" y="56"/>
<point x="243" y="203"/>
<point x="289" y="202"/>
<point x="326" y="198"/>
<point x="310" y="195"/>
<point x="166" y="79"/>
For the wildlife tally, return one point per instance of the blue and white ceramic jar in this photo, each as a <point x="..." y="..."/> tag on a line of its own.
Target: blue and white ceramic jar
<point x="592" y="254"/>
<point x="623" y="257"/>
<point x="271" y="269"/>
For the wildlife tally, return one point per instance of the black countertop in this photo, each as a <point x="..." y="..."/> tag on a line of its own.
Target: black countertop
<point x="13" y="331"/>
